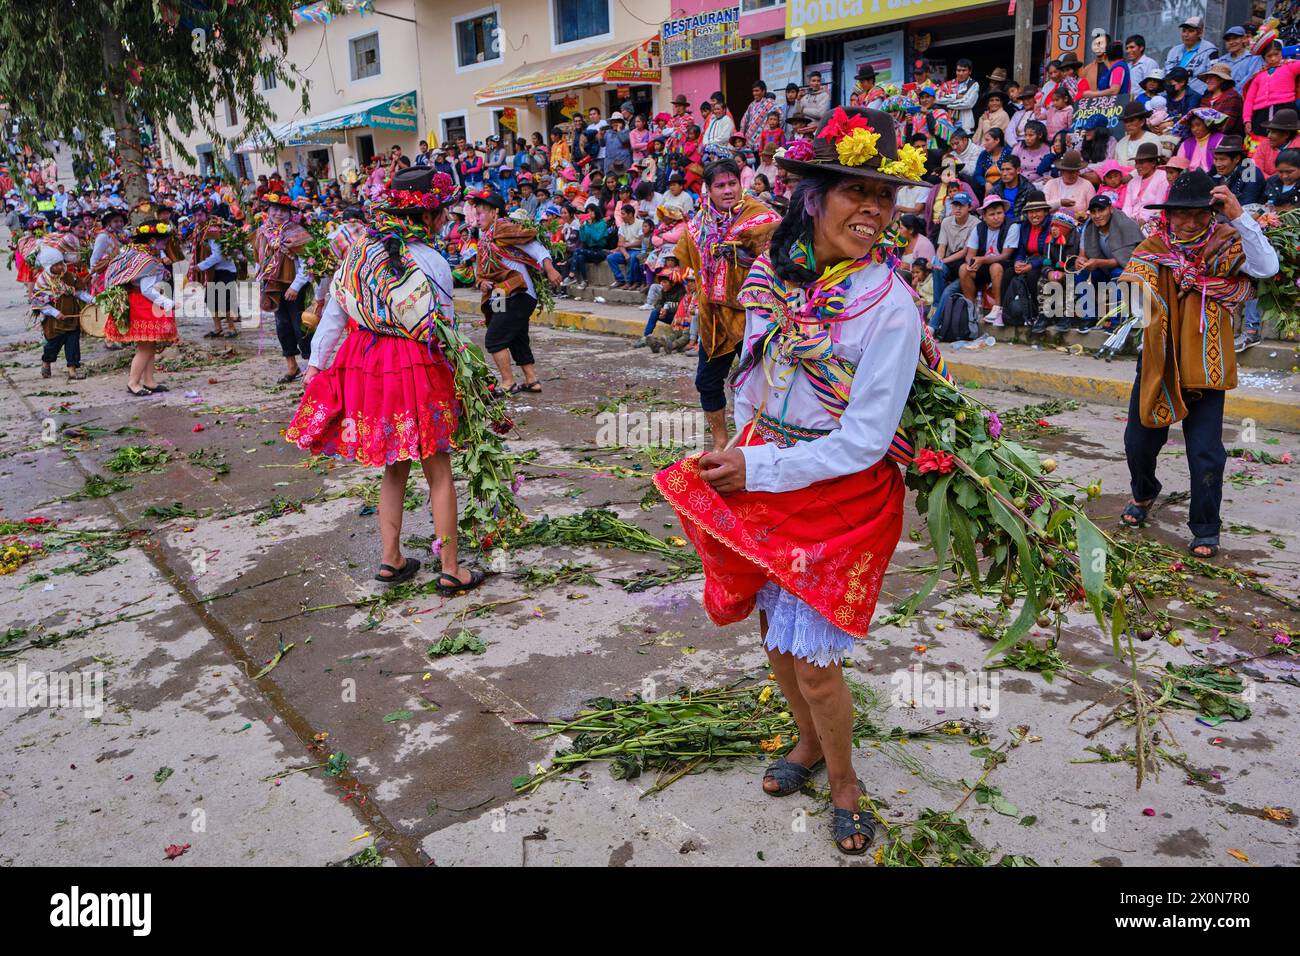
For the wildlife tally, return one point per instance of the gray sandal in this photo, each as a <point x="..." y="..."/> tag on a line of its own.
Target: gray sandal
<point x="846" y="824"/>
<point x="790" y="777"/>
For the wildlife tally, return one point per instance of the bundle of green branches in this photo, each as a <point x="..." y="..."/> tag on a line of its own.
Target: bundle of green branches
<point x="695" y="729"/>
<point x="983" y="494"/>
<point x="1279" y="295"/>
<point x="318" y="255"/>
<point x="115" y="303"/>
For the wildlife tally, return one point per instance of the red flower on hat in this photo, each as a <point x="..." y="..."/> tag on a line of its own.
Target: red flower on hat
<point x="841" y="124"/>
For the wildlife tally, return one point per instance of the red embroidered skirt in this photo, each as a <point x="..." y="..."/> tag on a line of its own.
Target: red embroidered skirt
<point x="149" y="323"/>
<point x="25" y="271"/>
<point x="384" y="400"/>
<point x="828" y="544"/>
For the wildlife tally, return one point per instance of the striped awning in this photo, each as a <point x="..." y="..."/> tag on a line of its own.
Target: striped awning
<point x="622" y="63"/>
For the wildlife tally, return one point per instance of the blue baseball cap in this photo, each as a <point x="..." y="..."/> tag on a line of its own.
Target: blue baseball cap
<point x="963" y="198"/>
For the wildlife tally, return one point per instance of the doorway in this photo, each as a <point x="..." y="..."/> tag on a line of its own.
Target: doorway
<point x="365" y="148"/>
<point x="738" y="76"/>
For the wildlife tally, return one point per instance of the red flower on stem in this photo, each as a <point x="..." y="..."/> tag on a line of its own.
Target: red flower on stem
<point x="930" y="460"/>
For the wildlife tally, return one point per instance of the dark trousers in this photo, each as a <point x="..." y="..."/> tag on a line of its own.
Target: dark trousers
<point x="508" y="329"/>
<point x="710" y="379"/>
<point x="1206" y="456"/>
<point x="578" y="261"/>
<point x="69" y="342"/>
<point x="288" y="328"/>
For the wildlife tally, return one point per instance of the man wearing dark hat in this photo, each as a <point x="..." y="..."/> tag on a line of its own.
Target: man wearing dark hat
<point x="1232" y="168"/>
<point x="1069" y="192"/>
<point x="1188" y="280"/>
<point x="720" y="242"/>
<point x="278" y="247"/>
<point x="509" y="262"/>
<point x="867" y="92"/>
<point x="1283" y="132"/>
<point x="1134" y="120"/>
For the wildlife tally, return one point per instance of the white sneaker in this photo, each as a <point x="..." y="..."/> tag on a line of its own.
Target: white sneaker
<point x="645" y="307"/>
<point x="994" y="317"/>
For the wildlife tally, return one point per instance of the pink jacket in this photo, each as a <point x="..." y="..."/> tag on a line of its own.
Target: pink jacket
<point x="1142" y="192"/>
<point x="1272" y="89"/>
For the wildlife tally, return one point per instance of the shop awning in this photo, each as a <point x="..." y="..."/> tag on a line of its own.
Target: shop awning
<point x="385" y="112"/>
<point x="622" y="63"/>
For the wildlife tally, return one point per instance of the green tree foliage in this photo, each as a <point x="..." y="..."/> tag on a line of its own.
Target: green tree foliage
<point x="68" y="64"/>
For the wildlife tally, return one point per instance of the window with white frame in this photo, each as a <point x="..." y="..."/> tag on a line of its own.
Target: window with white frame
<point x="579" y="19"/>
<point x="453" y="128"/>
<point x="478" y="39"/>
<point x="365" y="56"/>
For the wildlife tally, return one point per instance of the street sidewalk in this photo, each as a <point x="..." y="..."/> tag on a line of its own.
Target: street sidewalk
<point x="1270" y="397"/>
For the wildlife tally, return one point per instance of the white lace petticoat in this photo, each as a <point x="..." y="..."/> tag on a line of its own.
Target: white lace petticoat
<point x="794" y="627"/>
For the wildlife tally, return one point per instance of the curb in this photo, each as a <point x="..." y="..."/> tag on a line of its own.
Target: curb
<point x="1265" y="412"/>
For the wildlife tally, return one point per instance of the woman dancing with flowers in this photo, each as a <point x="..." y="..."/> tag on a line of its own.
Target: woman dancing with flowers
<point x="801" y="517"/>
<point x="148" y="318"/>
<point x="390" y="396"/>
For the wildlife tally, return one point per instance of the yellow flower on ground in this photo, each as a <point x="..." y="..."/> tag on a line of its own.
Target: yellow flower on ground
<point x="858" y="147"/>
<point x="767" y="746"/>
<point x="765" y="694"/>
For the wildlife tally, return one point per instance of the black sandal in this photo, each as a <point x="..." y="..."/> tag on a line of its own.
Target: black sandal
<point x="534" y="387"/>
<point x="1138" y="512"/>
<point x="790" y="777"/>
<point x="398" y="575"/>
<point x="158" y="388"/>
<point x="212" y="335"/>
<point x="846" y="824"/>
<point x="476" y="577"/>
<point x="1210" y="541"/>
<point x="140" y="394"/>
<point x="288" y="377"/>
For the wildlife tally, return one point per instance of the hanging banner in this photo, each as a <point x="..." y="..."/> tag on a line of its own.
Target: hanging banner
<point x="1065" y="28"/>
<point x="510" y="119"/>
<point x="779" y="64"/>
<point x="884" y="53"/>
<point x="809" y="17"/>
<point x="703" y="36"/>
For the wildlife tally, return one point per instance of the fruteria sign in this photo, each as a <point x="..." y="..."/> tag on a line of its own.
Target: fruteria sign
<point x="703" y="36"/>
<point x="1065" y="29"/>
<point x="810" y="17"/>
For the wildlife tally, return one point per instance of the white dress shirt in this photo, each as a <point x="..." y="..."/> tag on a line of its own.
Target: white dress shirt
<point x="884" y="344"/>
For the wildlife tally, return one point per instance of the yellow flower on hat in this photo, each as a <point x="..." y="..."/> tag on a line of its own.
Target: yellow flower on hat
<point x="909" y="165"/>
<point x="858" y="147"/>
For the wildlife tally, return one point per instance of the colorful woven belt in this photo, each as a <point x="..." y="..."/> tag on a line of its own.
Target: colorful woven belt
<point x="783" y="434"/>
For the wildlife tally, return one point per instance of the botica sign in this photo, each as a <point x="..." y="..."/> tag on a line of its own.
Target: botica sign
<point x="810" y="17"/>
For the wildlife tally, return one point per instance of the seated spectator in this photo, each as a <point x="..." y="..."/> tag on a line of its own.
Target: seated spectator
<point x="1147" y="187"/>
<point x="1105" y="246"/>
<point x="923" y="285"/>
<point x="1179" y="97"/>
<point x="1221" y="94"/>
<point x="1032" y="246"/>
<point x="1280" y="191"/>
<point x="1058" y="115"/>
<point x="1283" y="132"/>
<point x="1096" y="145"/>
<point x="1112" y="73"/>
<point x="917" y="243"/>
<point x="593" y="238"/>
<point x="1201" y="135"/>
<point x="1032" y="150"/>
<point x="1174" y="167"/>
<point x="989" y="248"/>
<point x="1054" y="300"/>
<point x="1013" y="187"/>
<point x="954" y="232"/>
<point x="1112" y="181"/>
<point x="994" y="150"/>
<point x="1153" y="84"/>
<point x="939" y="202"/>
<point x="1272" y="87"/>
<point x="966" y="151"/>
<point x="1134" y="120"/>
<point x="1070" y="191"/>
<point x="995" y="116"/>
<point x="1233" y="169"/>
<point x="628" y="251"/>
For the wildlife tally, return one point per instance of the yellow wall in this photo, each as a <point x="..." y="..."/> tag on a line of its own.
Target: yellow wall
<point x="321" y="55"/>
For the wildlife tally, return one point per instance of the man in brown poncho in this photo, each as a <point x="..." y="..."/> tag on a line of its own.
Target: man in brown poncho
<point x="1189" y="279"/>
<point x="278" y="247"/>
<point x="721" y="241"/>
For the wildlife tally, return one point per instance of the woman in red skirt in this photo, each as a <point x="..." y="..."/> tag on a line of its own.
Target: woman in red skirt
<point x="388" y="397"/>
<point x="801" y="518"/>
<point x="151" y="318"/>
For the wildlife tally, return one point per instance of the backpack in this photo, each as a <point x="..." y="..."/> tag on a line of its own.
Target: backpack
<point x="1017" y="304"/>
<point x="957" y="321"/>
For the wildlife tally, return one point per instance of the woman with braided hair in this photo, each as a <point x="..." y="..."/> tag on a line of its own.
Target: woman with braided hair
<point x="800" y="515"/>
<point x="388" y="398"/>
